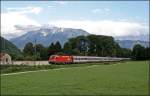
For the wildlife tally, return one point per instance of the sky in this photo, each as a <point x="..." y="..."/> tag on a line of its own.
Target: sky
<point x="113" y="18"/>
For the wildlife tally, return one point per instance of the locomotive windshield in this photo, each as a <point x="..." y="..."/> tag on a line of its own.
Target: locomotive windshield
<point x="52" y="57"/>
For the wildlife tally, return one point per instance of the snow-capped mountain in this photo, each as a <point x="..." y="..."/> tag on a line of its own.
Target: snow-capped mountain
<point x="46" y="34"/>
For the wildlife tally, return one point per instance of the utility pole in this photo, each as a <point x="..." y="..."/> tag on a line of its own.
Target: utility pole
<point x="95" y="50"/>
<point x="4" y="46"/>
<point x="35" y="52"/>
<point x="102" y="51"/>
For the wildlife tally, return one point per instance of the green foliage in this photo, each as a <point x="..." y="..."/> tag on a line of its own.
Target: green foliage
<point x="67" y="48"/>
<point x="147" y="51"/>
<point x="96" y="45"/>
<point x="57" y="47"/>
<point x="29" y="57"/>
<point x="54" y="48"/>
<point x="20" y="68"/>
<point x="7" y="47"/>
<point x="139" y="52"/>
<point x="28" y="49"/>
<point x="41" y="52"/>
<point x="51" y="49"/>
<point x="17" y="56"/>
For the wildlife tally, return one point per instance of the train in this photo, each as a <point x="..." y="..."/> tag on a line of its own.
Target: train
<point x="67" y="59"/>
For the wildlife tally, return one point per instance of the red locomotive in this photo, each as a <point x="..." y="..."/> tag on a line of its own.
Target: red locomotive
<point x="60" y="59"/>
<point x="65" y="59"/>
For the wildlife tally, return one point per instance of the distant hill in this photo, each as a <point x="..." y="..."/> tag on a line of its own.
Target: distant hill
<point x="134" y="38"/>
<point x="8" y="47"/>
<point x="130" y="43"/>
<point x="46" y="35"/>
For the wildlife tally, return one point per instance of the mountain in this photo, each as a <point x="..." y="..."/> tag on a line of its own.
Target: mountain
<point x="134" y="38"/>
<point x="46" y="35"/>
<point x="130" y="43"/>
<point x="8" y="47"/>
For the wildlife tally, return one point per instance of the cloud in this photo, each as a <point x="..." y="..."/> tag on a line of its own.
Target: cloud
<point x="17" y="17"/>
<point x="28" y="9"/>
<point x="104" y="10"/>
<point x="105" y="27"/>
<point x="61" y="2"/>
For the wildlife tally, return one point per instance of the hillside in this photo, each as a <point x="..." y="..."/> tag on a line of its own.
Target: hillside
<point x="8" y="47"/>
<point x="134" y="38"/>
<point x="130" y="43"/>
<point x="46" y="35"/>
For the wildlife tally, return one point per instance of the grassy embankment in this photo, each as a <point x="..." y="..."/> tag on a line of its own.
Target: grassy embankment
<point x="21" y="68"/>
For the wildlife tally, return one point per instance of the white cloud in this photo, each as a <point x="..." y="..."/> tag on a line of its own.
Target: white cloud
<point x="103" y="11"/>
<point x="17" y="17"/>
<point x="28" y="9"/>
<point x="36" y="10"/>
<point x="105" y="27"/>
<point x="61" y="2"/>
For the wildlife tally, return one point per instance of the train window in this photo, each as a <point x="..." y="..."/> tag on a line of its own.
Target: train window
<point x="56" y="57"/>
<point x="76" y="58"/>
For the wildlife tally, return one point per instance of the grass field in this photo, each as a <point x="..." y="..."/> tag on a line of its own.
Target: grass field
<point x="125" y="78"/>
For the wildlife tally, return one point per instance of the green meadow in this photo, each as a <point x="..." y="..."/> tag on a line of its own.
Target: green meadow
<point x="123" y="78"/>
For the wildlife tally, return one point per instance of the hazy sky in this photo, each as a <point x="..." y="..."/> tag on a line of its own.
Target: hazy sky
<point x="115" y="18"/>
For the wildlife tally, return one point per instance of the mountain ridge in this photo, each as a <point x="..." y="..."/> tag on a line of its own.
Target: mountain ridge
<point x="130" y="43"/>
<point x="47" y="35"/>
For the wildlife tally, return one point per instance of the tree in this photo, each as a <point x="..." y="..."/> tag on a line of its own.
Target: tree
<point x="125" y="52"/>
<point x="138" y="52"/>
<point x="41" y="52"/>
<point x="101" y="45"/>
<point x="147" y="51"/>
<point x="57" y="47"/>
<point x="28" y="49"/>
<point x="67" y="48"/>
<point x="51" y="49"/>
<point x="93" y="45"/>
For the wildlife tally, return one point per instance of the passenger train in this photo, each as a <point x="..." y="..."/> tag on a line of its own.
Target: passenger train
<point x="66" y="59"/>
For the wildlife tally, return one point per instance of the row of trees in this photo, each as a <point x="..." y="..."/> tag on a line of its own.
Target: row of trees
<point x="95" y="45"/>
<point x="92" y="45"/>
<point x="140" y="53"/>
<point x="40" y="52"/>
